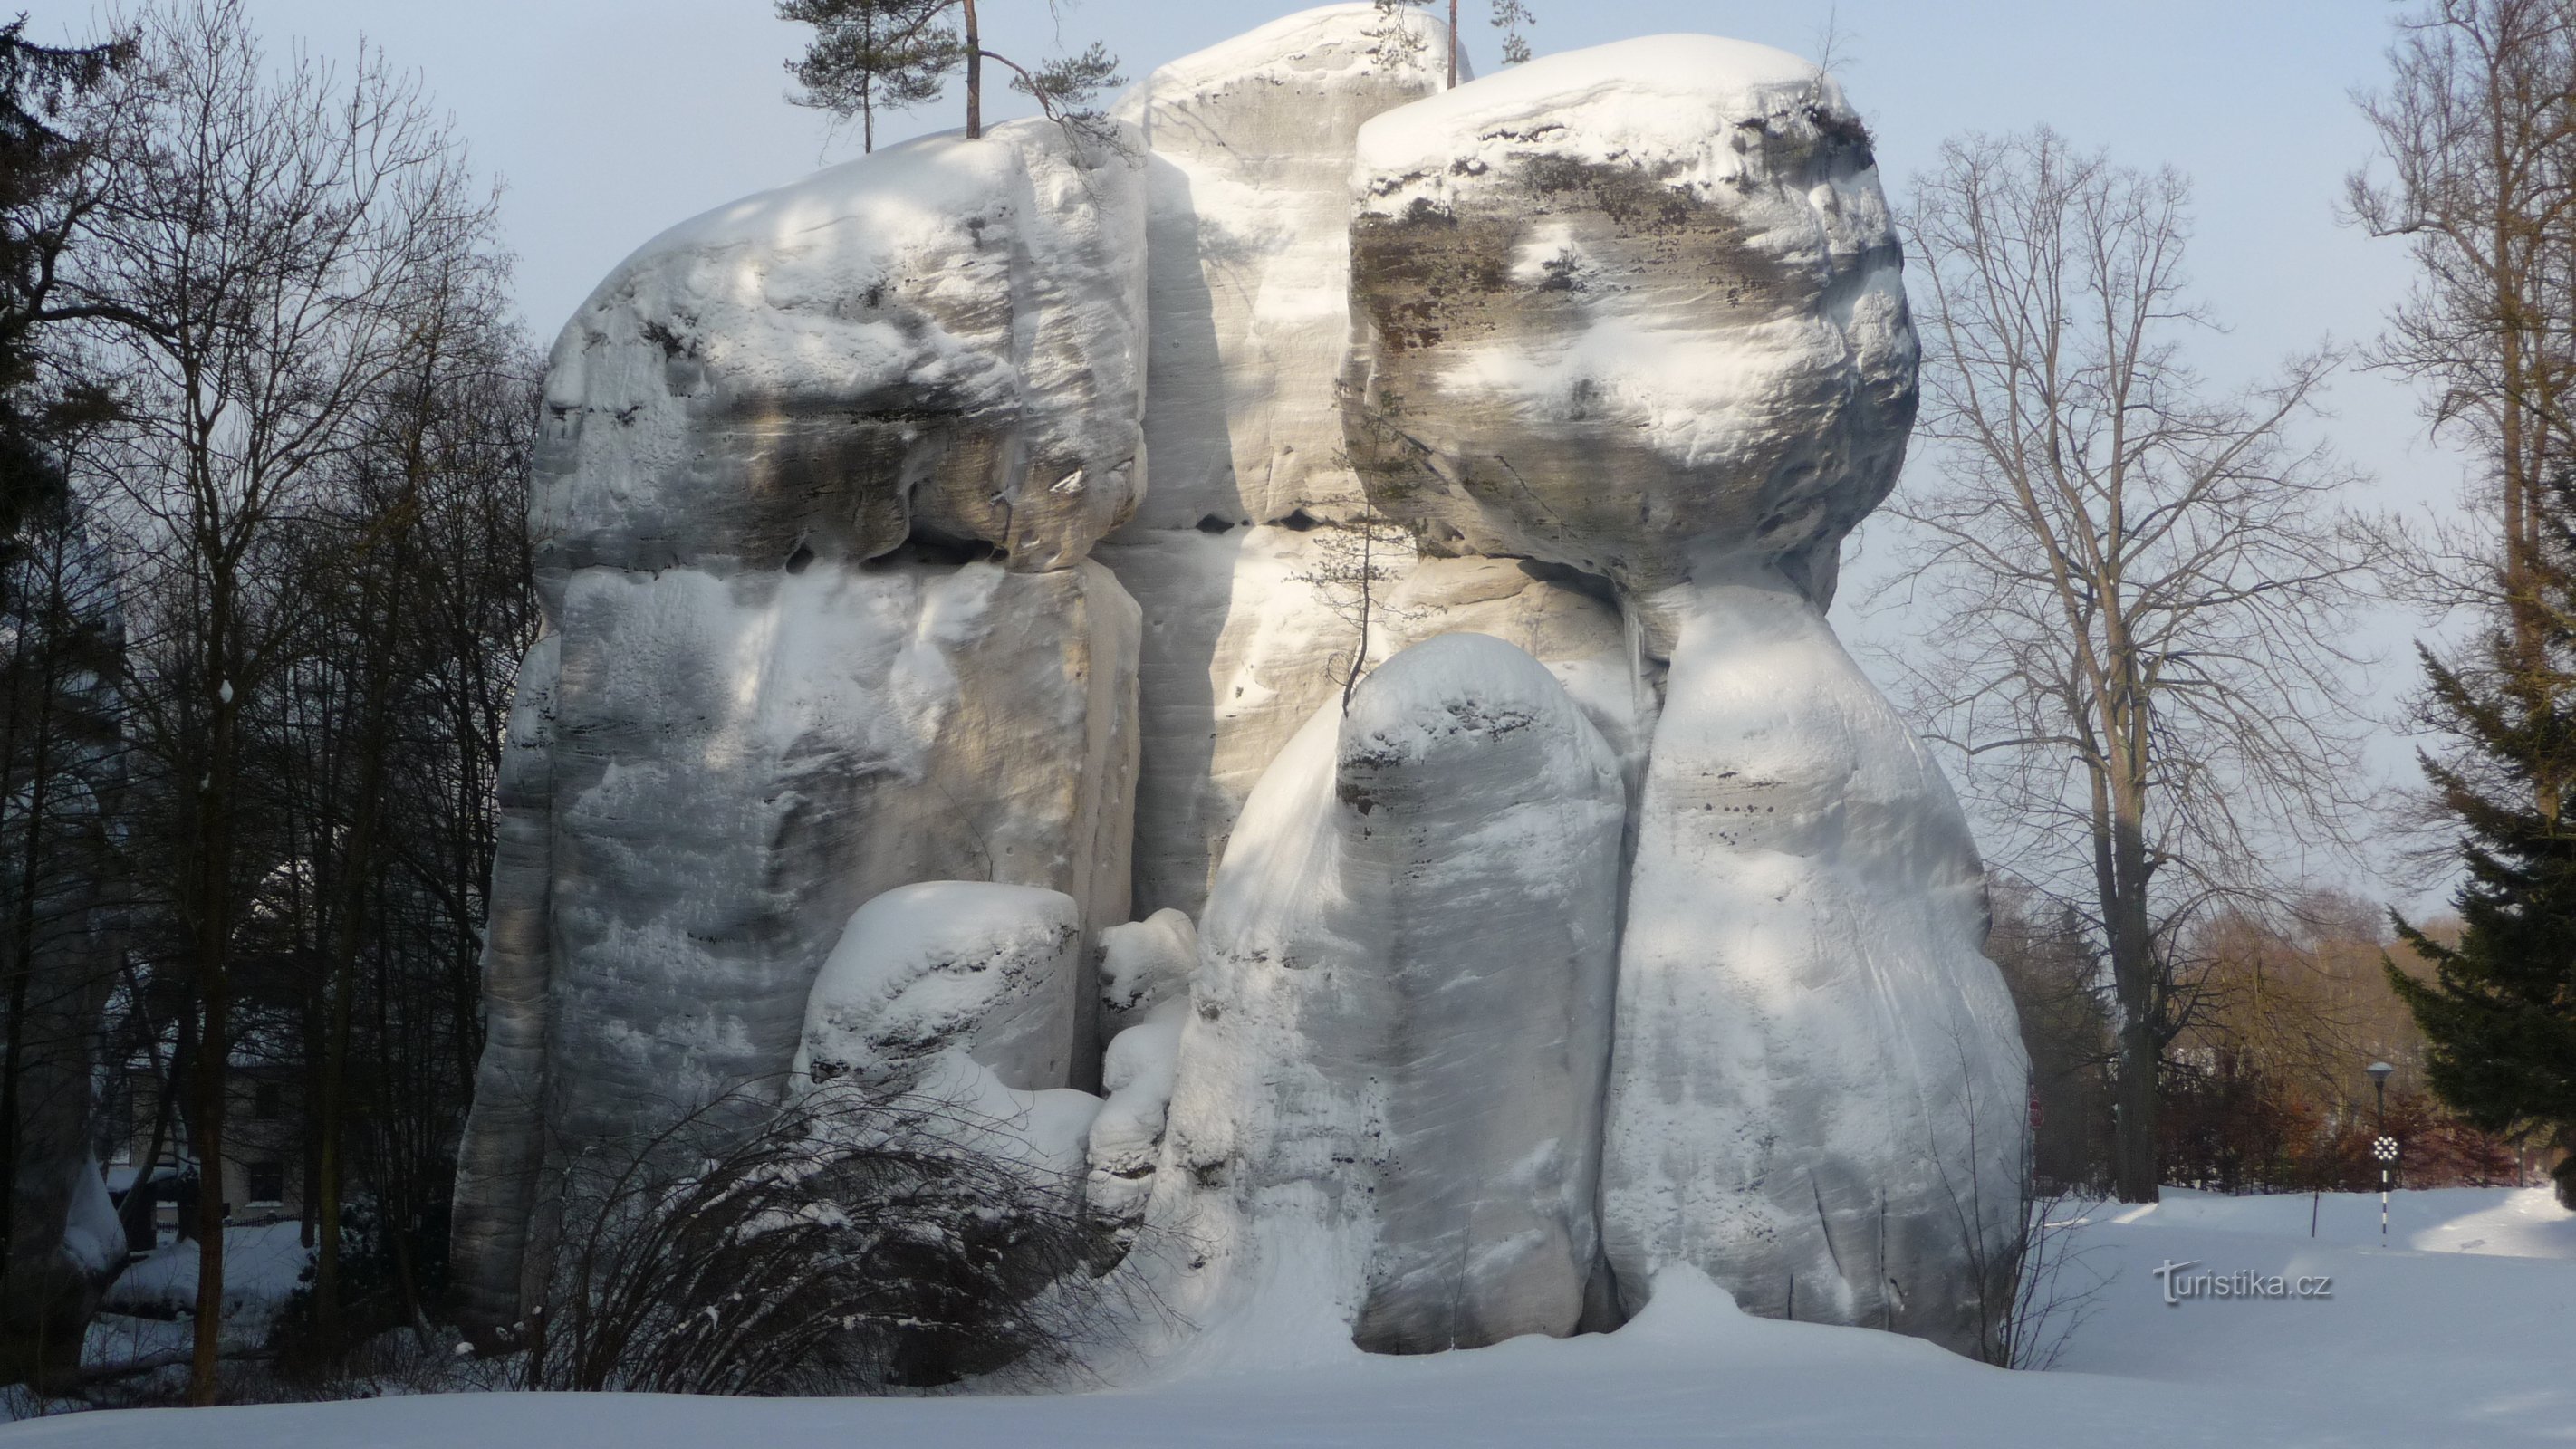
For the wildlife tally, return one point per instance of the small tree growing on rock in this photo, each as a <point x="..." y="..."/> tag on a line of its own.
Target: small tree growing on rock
<point x="899" y="53"/>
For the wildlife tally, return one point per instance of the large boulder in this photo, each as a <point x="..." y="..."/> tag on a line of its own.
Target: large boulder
<point x="1817" y="1097"/>
<point x="940" y="344"/>
<point x="970" y="966"/>
<point x="1385" y="1123"/>
<point x="1629" y="307"/>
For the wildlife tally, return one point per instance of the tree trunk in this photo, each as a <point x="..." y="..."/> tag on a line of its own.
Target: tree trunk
<point x="213" y="940"/>
<point x="974" y="76"/>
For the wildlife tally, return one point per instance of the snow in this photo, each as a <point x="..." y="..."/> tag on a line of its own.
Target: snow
<point x="1632" y="102"/>
<point x="1819" y="1089"/>
<point x="973" y="1108"/>
<point x="93" y="1235"/>
<point x="1387" y="1110"/>
<point x="262" y="1264"/>
<point x="1127" y="1135"/>
<point x="993" y="970"/>
<point x="2413" y="1348"/>
<point x="1145" y="963"/>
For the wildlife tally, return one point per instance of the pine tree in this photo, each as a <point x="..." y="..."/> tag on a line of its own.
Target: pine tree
<point x="38" y="83"/>
<point x="2500" y="1013"/>
<point x="2477" y="134"/>
<point x="898" y="53"/>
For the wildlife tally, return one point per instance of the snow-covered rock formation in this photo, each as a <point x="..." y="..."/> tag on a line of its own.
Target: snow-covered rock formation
<point x="947" y="965"/>
<point x="1388" y="1098"/>
<point x="1627" y="307"/>
<point x="1818" y="1091"/>
<point x="1247" y="275"/>
<point x="819" y="477"/>
<point x="1467" y="472"/>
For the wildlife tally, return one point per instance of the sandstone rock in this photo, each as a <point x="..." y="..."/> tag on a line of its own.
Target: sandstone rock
<point x="1627" y="307"/>
<point x="1144" y="964"/>
<point x="941" y="342"/>
<point x="1818" y="1088"/>
<point x="988" y="970"/>
<point x="1386" y="1109"/>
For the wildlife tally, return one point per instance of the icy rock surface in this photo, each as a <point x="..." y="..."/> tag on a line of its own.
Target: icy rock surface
<point x="1386" y="1116"/>
<point x="1818" y="1088"/>
<point x="1630" y="305"/>
<point x="990" y="970"/>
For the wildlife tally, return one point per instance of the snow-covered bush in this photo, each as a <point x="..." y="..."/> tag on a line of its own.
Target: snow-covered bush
<point x="848" y="1244"/>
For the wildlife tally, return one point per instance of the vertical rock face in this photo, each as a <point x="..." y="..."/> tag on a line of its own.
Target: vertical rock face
<point x="497" y="1160"/>
<point x="821" y="471"/>
<point x="1248" y="282"/>
<point x="1626" y="306"/>
<point x="741" y="763"/>
<point x="1818" y="1089"/>
<point x="1390" y="1090"/>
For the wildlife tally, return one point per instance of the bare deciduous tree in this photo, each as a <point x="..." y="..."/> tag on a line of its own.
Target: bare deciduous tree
<point x="2477" y="135"/>
<point x="1356" y="563"/>
<point x="2136" y="590"/>
<point x="257" y="261"/>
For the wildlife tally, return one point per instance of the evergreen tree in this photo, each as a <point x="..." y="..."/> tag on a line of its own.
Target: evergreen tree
<point x="2477" y="134"/>
<point x="898" y="53"/>
<point x="38" y="84"/>
<point x="2500" y="1013"/>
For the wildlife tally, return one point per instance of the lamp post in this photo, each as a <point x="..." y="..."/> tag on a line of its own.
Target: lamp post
<point x="2385" y="1148"/>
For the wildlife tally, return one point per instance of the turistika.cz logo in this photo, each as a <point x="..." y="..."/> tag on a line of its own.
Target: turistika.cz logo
<point x="2180" y="1284"/>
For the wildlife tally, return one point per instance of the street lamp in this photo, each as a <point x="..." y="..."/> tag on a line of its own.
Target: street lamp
<point x="2385" y="1149"/>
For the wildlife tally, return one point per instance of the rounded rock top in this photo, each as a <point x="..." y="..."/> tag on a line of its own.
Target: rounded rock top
<point x="1655" y="98"/>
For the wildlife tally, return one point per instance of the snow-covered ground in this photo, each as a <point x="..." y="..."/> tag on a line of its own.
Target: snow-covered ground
<point x="262" y="1263"/>
<point x="2460" y="1332"/>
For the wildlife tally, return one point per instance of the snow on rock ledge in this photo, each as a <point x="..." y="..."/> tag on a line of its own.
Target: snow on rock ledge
<point x="943" y="339"/>
<point x="991" y="970"/>
<point x="1144" y="964"/>
<point x="1628" y="306"/>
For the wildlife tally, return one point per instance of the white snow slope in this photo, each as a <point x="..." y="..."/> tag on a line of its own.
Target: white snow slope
<point x="2458" y="1334"/>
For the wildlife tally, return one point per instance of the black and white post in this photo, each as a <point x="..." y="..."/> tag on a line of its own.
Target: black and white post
<point x="2385" y="1148"/>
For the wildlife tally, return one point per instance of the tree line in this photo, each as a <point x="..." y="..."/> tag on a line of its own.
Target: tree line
<point x="268" y="425"/>
<point x="2134" y="594"/>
